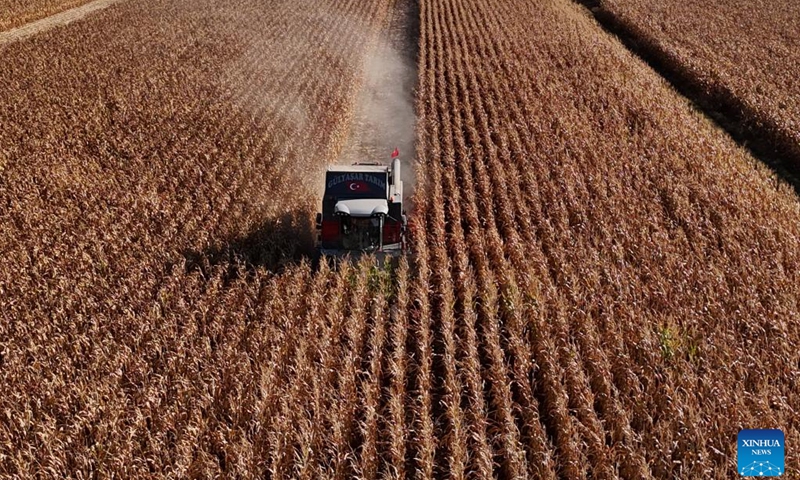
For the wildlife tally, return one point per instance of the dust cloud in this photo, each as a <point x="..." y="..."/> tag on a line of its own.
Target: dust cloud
<point x="262" y="82"/>
<point x="384" y="117"/>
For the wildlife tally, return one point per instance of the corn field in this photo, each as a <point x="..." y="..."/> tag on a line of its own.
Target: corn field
<point x="740" y="56"/>
<point x="600" y="282"/>
<point x="15" y="13"/>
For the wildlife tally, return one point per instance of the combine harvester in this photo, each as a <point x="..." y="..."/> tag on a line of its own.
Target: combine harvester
<point x="362" y="211"/>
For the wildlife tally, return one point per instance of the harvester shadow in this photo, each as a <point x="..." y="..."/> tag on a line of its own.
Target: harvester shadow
<point x="272" y="245"/>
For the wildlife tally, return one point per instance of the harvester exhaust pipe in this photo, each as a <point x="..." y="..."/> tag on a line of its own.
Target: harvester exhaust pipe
<point x="396" y="172"/>
<point x="380" y="236"/>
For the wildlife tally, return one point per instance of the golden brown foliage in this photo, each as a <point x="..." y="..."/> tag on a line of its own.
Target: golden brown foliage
<point x="743" y="56"/>
<point x="14" y="13"/>
<point x="591" y="227"/>
<point x="158" y="161"/>
<point x="601" y="283"/>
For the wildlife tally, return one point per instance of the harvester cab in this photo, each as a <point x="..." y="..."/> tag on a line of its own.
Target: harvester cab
<point x="362" y="210"/>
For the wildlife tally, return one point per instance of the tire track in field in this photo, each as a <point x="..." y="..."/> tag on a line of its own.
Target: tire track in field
<point x="59" y="19"/>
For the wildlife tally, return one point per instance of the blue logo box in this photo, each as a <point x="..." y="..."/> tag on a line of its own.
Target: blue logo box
<point x="760" y="453"/>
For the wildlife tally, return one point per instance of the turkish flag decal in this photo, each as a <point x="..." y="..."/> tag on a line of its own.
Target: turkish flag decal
<point x="358" y="186"/>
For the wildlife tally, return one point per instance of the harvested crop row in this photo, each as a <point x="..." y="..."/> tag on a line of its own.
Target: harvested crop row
<point x="741" y="58"/>
<point x="15" y="13"/>
<point x="605" y="223"/>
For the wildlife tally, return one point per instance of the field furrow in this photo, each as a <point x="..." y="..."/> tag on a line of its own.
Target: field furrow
<point x="371" y="389"/>
<point x="397" y="418"/>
